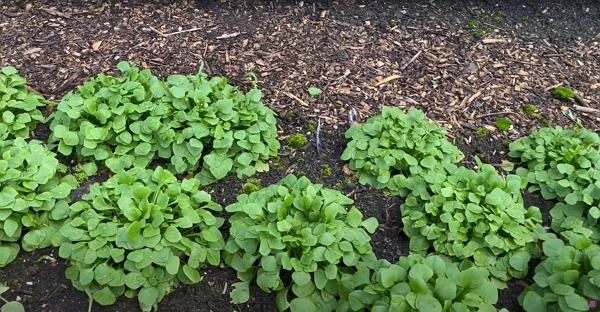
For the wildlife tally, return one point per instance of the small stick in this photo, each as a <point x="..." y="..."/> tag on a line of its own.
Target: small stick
<point x="173" y="33"/>
<point x="579" y="100"/>
<point x="586" y="109"/>
<point x="411" y="60"/>
<point x="553" y="87"/>
<point x="318" y="139"/>
<point x="296" y="98"/>
<point x="494" y="114"/>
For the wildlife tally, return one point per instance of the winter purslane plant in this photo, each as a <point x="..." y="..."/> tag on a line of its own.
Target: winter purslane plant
<point x="34" y="196"/>
<point x="400" y="152"/>
<point x="300" y="229"/>
<point x="478" y="216"/>
<point x="19" y="113"/>
<point x="191" y="121"/>
<point x="140" y="233"/>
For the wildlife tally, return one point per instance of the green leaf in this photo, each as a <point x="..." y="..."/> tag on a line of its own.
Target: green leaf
<point x="304" y="304"/>
<point x="314" y="91"/>
<point x="148" y="296"/>
<point x="12" y="306"/>
<point x="240" y="292"/>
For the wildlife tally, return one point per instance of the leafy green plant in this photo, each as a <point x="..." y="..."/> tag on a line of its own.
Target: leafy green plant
<point x="252" y="185"/>
<point x="503" y="124"/>
<point x="566" y="280"/>
<point x="529" y="109"/>
<point x="472" y="23"/>
<point x="497" y="19"/>
<point x="34" y="199"/>
<point x="483" y="131"/>
<point x="140" y="233"/>
<point x="314" y="91"/>
<point x="300" y="228"/>
<point x="563" y="93"/>
<point x="417" y="283"/>
<point x="400" y="152"/>
<point x="18" y="107"/>
<point x="194" y="122"/>
<point x="297" y="140"/>
<point x="574" y="221"/>
<point x="478" y="216"/>
<point x="9" y="306"/>
<point x="558" y="162"/>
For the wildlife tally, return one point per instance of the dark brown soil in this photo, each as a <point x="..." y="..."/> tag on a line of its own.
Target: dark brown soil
<point x="292" y="46"/>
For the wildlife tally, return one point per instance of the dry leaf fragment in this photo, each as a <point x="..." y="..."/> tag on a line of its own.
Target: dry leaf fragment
<point x="57" y="13"/>
<point x="96" y="45"/>
<point x="388" y="79"/>
<point x="244" y="43"/>
<point x="347" y="170"/>
<point x="32" y="50"/>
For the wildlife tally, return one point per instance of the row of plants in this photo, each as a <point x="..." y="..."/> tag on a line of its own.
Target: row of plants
<point x="477" y="217"/>
<point x="145" y="231"/>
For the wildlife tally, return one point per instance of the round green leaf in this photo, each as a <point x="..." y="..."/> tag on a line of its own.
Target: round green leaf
<point x="304" y="304"/>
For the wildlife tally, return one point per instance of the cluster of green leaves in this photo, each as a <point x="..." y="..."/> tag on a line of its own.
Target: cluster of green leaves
<point x="566" y="279"/>
<point x="299" y="227"/>
<point x="400" y="152"/>
<point x="9" y="306"/>
<point x="559" y="163"/>
<point x="130" y="120"/>
<point x="34" y="199"/>
<point x="140" y="233"/>
<point x="416" y="283"/>
<point x="19" y="113"/>
<point x="478" y="216"/>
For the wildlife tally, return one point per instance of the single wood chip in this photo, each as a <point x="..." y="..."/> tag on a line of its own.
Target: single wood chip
<point x="388" y="79"/>
<point x="473" y="97"/>
<point x="96" y="45"/>
<point x="32" y="50"/>
<point x="226" y="36"/>
<point x="492" y="40"/>
<point x="296" y="98"/>
<point x="498" y="65"/>
<point x="586" y="109"/>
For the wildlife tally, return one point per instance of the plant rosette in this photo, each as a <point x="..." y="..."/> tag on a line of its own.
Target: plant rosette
<point x="19" y="113"/>
<point x="559" y="163"/>
<point x="478" y="216"/>
<point x="416" y="283"/>
<point x="581" y="219"/>
<point x="34" y="199"/>
<point x="400" y="152"/>
<point x="300" y="229"/>
<point x="568" y="279"/>
<point x="191" y="121"/>
<point x="140" y="233"/>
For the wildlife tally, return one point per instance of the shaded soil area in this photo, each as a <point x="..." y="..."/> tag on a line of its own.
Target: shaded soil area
<point x="438" y="54"/>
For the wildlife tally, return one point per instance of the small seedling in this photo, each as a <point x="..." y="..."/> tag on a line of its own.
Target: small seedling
<point x="251" y="186"/>
<point x="563" y="93"/>
<point x="314" y="91"/>
<point x="297" y="140"/>
<point x="525" y="18"/>
<point x="489" y="30"/>
<point x="483" y="131"/>
<point x="291" y="114"/>
<point x="472" y="23"/>
<point x="478" y="33"/>
<point x="311" y="127"/>
<point x="326" y="170"/>
<point x="503" y="124"/>
<point x="529" y="109"/>
<point x="497" y="18"/>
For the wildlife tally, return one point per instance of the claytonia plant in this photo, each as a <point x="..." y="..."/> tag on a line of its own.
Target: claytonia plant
<point x="191" y="121"/>
<point x="140" y="234"/>
<point x="34" y="198"/>
<point x="19" y="113"/>
<point x="298" y="228"/>
<point x="400" y="152"/>
<point x="478" y="216"/>
<point x="417" y="283"/>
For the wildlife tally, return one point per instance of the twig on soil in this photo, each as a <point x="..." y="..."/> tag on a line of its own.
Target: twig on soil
<point x="173" y="33"/>
<point x="411" y="60"/>
<point x="296" y="98"/>
<point x="67" y="82"/>
<point x="54" y="292"/>
<point x="494" y="40"/>
<point x="553" y="87"/>
<point x="318" y="139"/>
<point x="586" y="109"/>
<point x="579" y="100"/>
<point x="494" y="114"/>
<point x="387" y="79"/>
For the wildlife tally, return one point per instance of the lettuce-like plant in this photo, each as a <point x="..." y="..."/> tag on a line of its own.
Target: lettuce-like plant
<point x="189" y="120"/>
<point x="300" y="228"/>
<point x="34" y="198"/>
<point x="559" y="163"/>
<point x="19" y="113"/>
<point x="477" y="216"/>
<point x="416" y="283"/>
<point x="567" y="280"/>
<point x="140" y="233"/>
<point x="400" y="152"/>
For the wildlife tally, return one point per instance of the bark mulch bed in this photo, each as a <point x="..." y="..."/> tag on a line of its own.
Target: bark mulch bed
<point x="464" y="63"/>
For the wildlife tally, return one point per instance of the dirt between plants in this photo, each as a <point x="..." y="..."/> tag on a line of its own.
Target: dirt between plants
<point x="464" y="63"/>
